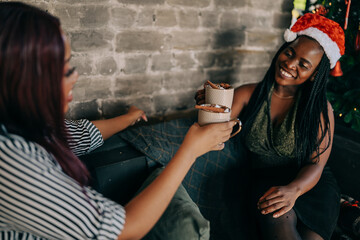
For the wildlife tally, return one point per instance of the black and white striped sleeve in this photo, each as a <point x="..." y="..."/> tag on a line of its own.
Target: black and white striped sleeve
<point x="83" y="136"/>
<point x="39" y="200"/>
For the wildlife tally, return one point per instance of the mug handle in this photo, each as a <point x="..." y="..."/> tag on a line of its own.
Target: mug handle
<point x="240" y="126"/>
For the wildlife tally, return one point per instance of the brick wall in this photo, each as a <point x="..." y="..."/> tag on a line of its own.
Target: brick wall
<point x="155" y="53"/>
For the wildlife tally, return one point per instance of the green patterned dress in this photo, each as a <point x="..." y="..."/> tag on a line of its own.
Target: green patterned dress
<point x="272" y="153"/>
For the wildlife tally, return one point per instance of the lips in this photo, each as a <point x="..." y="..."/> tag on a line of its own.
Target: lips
<point x="285" y="73"/>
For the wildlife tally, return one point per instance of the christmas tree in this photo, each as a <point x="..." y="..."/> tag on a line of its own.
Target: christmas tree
<point x="344" y="82"/>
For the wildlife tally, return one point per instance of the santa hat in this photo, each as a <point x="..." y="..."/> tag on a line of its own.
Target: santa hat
<point x="328" y="33"/>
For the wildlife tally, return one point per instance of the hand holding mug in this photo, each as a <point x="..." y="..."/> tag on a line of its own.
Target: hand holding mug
<point x="213" y="113"/>
<point x="202" y="139"/>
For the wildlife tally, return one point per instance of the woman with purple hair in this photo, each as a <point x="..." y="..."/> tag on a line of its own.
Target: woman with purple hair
<point x="44" y="191"/>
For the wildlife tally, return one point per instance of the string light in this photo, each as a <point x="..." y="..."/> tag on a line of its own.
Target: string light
<point x="340" y="115"/>
<point x="355" y="109"/>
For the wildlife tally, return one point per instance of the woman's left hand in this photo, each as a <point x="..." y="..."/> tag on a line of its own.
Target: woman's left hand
<point x="136" y="115"/>
<point x="278" y="200"/>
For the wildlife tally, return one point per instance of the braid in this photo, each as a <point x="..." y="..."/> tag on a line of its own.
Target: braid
<point x="313" y="105"/>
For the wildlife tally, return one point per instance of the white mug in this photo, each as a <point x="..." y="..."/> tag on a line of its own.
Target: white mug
<point x="207" y="117"/>
<point x="219" y="96"/>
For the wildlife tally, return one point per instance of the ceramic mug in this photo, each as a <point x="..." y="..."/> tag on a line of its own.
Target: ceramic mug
<point x="219" y="96"/>
<point x="207" y="117"/>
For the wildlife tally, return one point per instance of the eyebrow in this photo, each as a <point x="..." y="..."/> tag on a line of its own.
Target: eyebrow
<point x="68" y="60"/>
<point x="303" y="59"/>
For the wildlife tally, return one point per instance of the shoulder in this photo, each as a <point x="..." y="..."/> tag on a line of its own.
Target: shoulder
<point x="330" y="117"/>
<point x="330" y="108"/>
<point x="330" y="112"/>
<point x="15" y="150"/>
<point x="244" y="92"/>
<point x="247" y="88"/>
<point x="15" y="143"/>
<point x="242" y="96"/>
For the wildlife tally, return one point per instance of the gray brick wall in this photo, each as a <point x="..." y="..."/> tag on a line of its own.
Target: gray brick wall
<point x="155" y="53"/>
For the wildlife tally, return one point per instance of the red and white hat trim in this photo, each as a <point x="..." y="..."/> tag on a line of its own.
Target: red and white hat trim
<point x="328" y="33"/>
<point x="331" y="49"/>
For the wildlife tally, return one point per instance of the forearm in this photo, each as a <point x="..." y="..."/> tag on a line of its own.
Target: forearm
<point x="145" y="210"/>
<point x="310" y="174"/>
<point x="307" y="178"/>
<point x="109" y="127"/>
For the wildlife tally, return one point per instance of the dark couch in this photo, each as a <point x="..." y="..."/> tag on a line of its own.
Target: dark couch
<point x="345" y="164"/>
<point x="116" y="164"/>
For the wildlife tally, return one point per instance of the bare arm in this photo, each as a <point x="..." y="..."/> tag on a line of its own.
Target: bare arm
<point x="281" y="199"/>
<point x="310" y="174"/>
<point x="242" y="96"/>
<point x="109" y="127"/>
<point x="146" y="208"/>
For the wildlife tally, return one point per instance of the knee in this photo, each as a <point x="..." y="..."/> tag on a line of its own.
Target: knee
<point x="288" y="220"/>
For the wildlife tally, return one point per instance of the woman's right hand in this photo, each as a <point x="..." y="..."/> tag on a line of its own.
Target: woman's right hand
<point x="200" y="140"/>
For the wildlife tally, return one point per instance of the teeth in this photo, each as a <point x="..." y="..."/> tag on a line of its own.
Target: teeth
<point x="70" y="93"/>
<point x="286" y="74"/>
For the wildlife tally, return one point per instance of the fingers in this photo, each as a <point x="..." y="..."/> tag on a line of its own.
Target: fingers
<point x="267" y="203"/>
<point x="137" y="114"/>
<point x="214" y="135"/>
<point x="228" y="130"/>
<point x="222" y="131"/>
<point x="271" y="193"/>
<point x="271" y="205"/>
<point x="218" y="147"/>
<point x="276" y="200"/>
<point x="200" y="96"/>
<point x="225" y="126"/>
<point x="143" y="116"/>
<point x="281" y="212"/>
<point x="278" y="209"/>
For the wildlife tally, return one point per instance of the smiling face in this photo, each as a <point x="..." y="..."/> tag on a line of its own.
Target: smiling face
<point x="298" y="62"/>
<point x="70" y="76"/>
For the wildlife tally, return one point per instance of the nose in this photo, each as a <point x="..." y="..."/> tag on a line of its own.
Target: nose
<point x="72" y="79"/>
<point x="76" y="76"/>
<point x="291" y="63"/>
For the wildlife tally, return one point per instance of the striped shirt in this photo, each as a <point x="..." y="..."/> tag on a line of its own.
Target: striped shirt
<point x="39" y="201"/>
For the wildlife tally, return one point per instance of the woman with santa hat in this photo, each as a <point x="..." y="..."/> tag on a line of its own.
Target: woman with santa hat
<point x="288" y="133"/>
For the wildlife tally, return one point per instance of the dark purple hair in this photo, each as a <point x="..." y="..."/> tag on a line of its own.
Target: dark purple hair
<point x="32" y="56"/>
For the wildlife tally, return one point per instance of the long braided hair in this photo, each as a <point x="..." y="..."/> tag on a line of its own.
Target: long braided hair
<point x="312" y="106"/>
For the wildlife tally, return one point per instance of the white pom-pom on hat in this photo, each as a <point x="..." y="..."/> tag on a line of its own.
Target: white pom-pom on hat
<point x="289" y="36"/>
